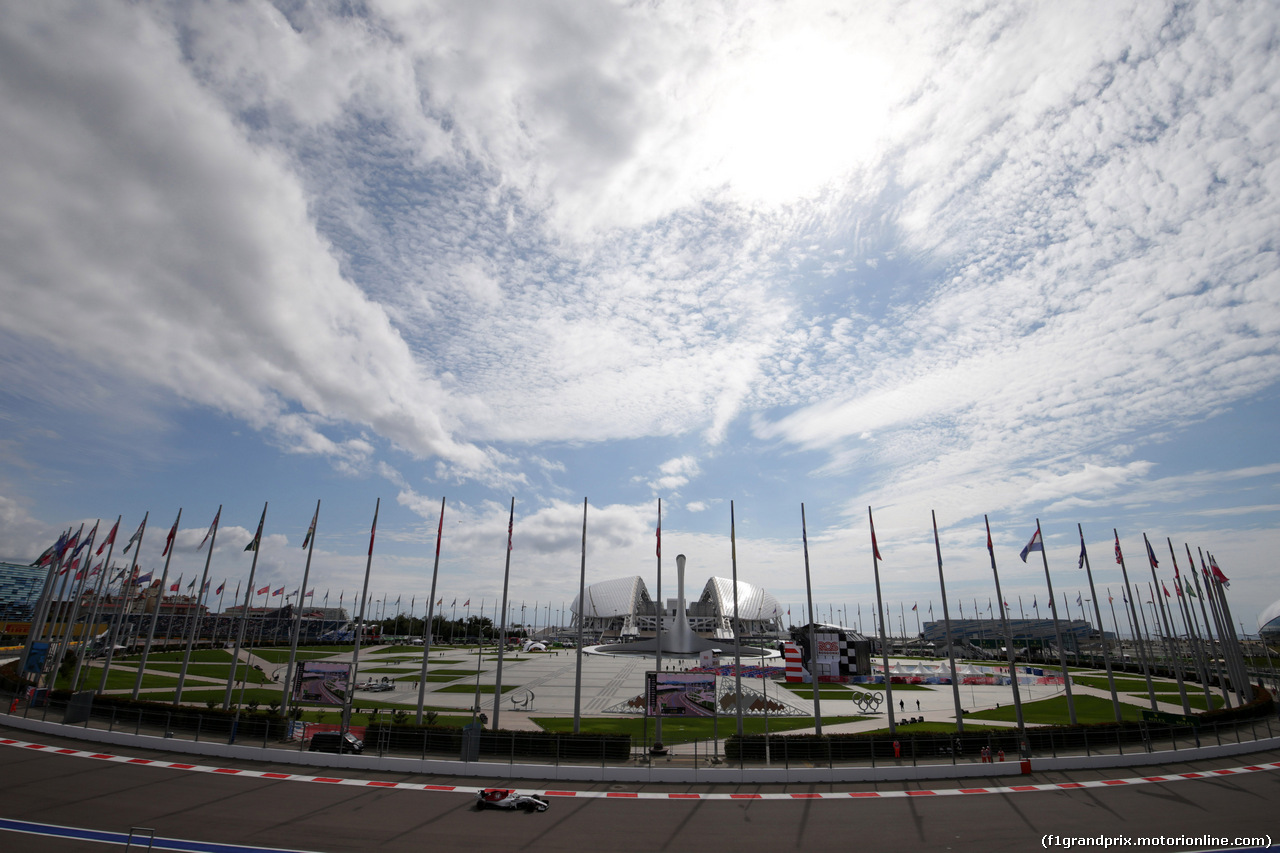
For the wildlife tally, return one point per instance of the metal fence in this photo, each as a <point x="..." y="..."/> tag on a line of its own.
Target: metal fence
<point x="468" y="744"/>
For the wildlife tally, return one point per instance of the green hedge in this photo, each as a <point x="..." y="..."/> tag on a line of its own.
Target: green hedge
<point x="546" y="745"/>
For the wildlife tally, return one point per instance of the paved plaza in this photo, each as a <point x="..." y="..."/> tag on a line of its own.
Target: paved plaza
<point x="541" y="684"/>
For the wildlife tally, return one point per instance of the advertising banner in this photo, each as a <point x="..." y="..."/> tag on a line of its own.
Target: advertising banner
<point x="37" y="657"/>
<point x="680" y="694"/>
<point x="322" y="682"/>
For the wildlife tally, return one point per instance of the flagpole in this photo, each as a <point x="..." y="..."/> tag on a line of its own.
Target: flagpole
<point x="502" y="636"/>
<point x="1229" y="677"/>
<point x="1208" y="628"/>
<point x="1057" y="630"/>
<point x="36" y="631"/>
<point x="191" y="635"/>
<point x="256" y="544"/>
<point x="1142" y="612"/>
<point x="662" y="612"/>
<point x="1193" y="633"/>
<point x="1008" y="641"/>
<point x="61" y="597"/>
<point x="1175" y="661"/>
<point x="1111" y="603"/>
<point x="813" y="642"/>
<point x="364" y="600"/>
<point x="1245" y="683"/>
<point x="430" y="630"/>
<point x="170" y="547"/>
<point x="946" y="616"/>
<point x="97" y="599"/>
<point x="582" y="605"/>
<point x="1102" y="632"/>
<point x="1244" y="688"/>
<point x="880" y="619"/>
<point x="296" y="628"/>
<point x="737" y="622"/>
<point x="78" y="581"/>
<point x="1133" y="619"/>
<point x="77" y="576"/>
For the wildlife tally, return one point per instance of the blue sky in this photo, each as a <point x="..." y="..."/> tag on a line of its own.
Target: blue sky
<point x="1016" y="260"/>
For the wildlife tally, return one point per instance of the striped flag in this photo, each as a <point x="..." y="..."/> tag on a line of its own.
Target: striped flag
<point x="137" y="534"/>
<point x="257" y="537"/>
<point x="212" y="527"/>
<point x="1036" y="544"/>
<point x="311" y="531"/>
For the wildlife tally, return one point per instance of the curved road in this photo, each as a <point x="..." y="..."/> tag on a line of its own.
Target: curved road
<point x="76" y="791"/>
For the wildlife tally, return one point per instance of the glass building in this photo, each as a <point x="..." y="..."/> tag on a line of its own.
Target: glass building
<point x="20" y="587"/>
<point x="1269" y="624"/>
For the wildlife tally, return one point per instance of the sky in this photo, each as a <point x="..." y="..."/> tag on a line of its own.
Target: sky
<point x="933" y="260"/>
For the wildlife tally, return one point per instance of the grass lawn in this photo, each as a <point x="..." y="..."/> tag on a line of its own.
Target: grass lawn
<point x="683" y="730"/>
<point x="826" y="693"/>
<point x="282" y="655"/>
<point x="431" y="676"/>
<point x="453" y="673"/>
<point x="1123" y="685"/>
<point x="202" y="655"/>
<point x="471" y="688"/>
<point x="213" y="670"/>
<point x="896" y="686"/>
<point x="452" y="718"/>
<point x="262" y="695"/>
<point x="939" y="728"/>
<point x="118" y="679"/>
<point x="331" y="650"/>
<point x="1052" y="712"/>
<point x="1195" y="700"/>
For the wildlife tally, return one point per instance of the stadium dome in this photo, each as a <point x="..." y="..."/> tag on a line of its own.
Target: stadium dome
<point x="759" y="611"/>
<point x="622" y="608"/>
<point x="1269" y="623"/>
<point x="614" y="607"/>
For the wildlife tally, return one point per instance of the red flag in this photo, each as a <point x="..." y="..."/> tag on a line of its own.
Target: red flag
<point x="373" y="531"/>
<point x="111" y="538"/>
<point x="173" y="531"/>
<point x="1119" y="555"/>
<point x="875" y="548"/>
<point x="1166" y="590"/>
<point x="440" y="532"/>
<point x="658" y="551"/>
<point x="511" y="523"/>
<point x="264" y="590"/>
<point x="1217" y="572"/>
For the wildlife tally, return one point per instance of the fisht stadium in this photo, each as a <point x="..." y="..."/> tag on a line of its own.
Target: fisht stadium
<point x="620" y="610"/>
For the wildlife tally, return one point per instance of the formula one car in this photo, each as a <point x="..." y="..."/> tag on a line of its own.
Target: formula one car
<point x="506" y="798"/>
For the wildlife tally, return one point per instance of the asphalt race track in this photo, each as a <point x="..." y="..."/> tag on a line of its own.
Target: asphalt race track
<point x="47" y="787"/>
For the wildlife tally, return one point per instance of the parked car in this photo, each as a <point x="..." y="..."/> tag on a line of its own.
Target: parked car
<point x="338" y="742"/>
